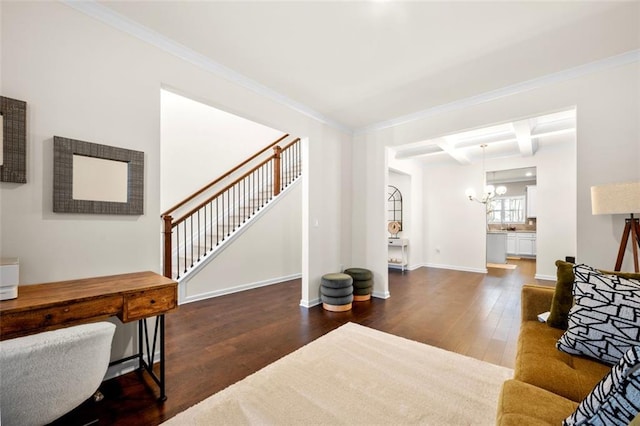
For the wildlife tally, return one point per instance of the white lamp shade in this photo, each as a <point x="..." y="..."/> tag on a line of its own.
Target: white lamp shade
<point x="616" y="198"/>
<point x="470" y="193"/>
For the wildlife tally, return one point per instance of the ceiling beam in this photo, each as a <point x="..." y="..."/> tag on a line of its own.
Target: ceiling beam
<point x="554" y="127"/>
<point x="448" y="147"/>
<point x="522" y="130"/>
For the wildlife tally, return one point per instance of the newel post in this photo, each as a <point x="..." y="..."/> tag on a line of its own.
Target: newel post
<point x="276" y="170"/>
<point x="167" y="245"/>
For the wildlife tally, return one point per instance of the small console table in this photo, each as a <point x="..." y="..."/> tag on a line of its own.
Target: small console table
<point x="402" y="244"/>
<point x="130" y="297"/>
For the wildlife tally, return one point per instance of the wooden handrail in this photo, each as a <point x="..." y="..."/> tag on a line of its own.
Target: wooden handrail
<point x="224" y="175"/>
<point x="229" y="186"/>
<point x="287" y="146"/>
<point x="217" y="194"/>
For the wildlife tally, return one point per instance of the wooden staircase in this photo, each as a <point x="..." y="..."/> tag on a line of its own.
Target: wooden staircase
<point x="209" y="218"/>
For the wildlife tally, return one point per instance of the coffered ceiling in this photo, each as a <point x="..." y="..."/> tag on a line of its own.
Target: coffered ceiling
<point x="358" y="65"/>
<point x="520" y="138"/>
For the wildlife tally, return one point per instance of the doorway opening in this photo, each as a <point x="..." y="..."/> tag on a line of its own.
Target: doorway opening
<point x="453" y="231"/>
<point x="224" y="164"/>
<point x="512" y="217"/>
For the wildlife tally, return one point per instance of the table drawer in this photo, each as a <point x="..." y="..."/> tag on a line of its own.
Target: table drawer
<point x="15" y="324"/>
<point x="149" y="303"/>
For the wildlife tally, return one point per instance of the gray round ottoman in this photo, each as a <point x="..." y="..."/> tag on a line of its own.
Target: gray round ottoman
<point x="336" y="292"/>
<point x="362" y="283"/>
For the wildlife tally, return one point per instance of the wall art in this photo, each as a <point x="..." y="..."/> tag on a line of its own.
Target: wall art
<point x="13" y="162"/>
<point x="91" y="178"/>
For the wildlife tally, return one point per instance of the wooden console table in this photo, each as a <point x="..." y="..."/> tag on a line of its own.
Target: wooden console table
<point x="130" y="297"/>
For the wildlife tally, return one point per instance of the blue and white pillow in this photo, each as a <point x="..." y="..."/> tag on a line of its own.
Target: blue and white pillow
<point x="615" y="399"/>
<point x="623" y="406"/>
<point x="605" y="320"/>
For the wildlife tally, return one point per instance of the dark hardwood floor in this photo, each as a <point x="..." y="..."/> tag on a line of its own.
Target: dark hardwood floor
<point x="214" y="343"/>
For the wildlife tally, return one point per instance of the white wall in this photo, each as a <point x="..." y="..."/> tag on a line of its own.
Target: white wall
<point x="556" y="207"/>
<point x="608" y="150"/>
<point x="199" y="143"/>
<point x="269" y="251"/>
<point x="454" y="228"/>
<point x="86" y="80"/>
<point x="73" y="89"/>
<point x="326" y="212"/>
<point x="519" y="188"/>
<point x="369" y="210"/>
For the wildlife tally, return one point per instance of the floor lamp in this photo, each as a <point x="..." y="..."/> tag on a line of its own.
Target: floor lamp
<point x="620" y="198"/>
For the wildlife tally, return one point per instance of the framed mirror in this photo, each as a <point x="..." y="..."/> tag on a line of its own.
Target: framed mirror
<point x="394" y="208"/>
<point x="94" y="178"/>
<point x="13" y="159"/>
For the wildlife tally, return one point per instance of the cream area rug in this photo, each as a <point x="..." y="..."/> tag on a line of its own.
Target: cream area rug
<point x="358" y="375"/>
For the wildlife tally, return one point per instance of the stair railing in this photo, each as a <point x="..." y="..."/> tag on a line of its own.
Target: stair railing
<point x="189" y="238"/>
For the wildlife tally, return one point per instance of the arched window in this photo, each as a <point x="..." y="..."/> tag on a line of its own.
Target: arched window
<point x="394" y="209"/>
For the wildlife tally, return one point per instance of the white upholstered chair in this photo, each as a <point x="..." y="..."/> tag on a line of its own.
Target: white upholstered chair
<point x="46" y="375"/>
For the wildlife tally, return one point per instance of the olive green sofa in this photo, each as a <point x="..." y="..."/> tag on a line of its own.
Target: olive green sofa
<point x="548" y="384"/>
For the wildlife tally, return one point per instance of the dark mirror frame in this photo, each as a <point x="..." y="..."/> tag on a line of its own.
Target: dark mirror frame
<point x="14" y="141"/>
<point x="63" y="151"/>
<point x="394" y="201"/>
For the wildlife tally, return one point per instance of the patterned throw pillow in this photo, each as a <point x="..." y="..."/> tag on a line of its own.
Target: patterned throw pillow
<point x="621" y="407"/>
<point x="610" y="391"/>
<point x="605" y="321"/>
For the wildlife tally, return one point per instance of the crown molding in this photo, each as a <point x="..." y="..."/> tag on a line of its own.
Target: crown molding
<point x="119" y="22"/>
<point x="557" y="77"/>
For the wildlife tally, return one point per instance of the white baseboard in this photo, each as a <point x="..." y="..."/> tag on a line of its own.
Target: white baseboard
<point x="406" y="268"/>
<point x="208" y="257"/>
<point x="120" y="369"/>
<point x="126" y="367"/>
<point x="545" y="277"/>
<point x="310" y="303"/>
<point x="394" y="266"/>
<point x="381" y="295"/>
<point x="456" y="268"/>
<point x="237" y="289"/>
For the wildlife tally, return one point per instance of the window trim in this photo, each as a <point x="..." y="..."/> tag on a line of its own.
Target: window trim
<point x="490" y="211"/>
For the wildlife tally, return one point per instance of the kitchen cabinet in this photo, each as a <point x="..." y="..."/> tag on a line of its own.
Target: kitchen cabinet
<point x="532" y="194"/>
<point x="511" y="243"/>
<point x="496" y="247"/>
<point x="526" y="244"/>
<point x="521" y="243"/>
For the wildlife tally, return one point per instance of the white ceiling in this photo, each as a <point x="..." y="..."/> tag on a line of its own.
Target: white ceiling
<point x="361" y="63"/>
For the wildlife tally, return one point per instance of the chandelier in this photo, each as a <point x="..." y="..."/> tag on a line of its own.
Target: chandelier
<point x="490" y="191"/>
